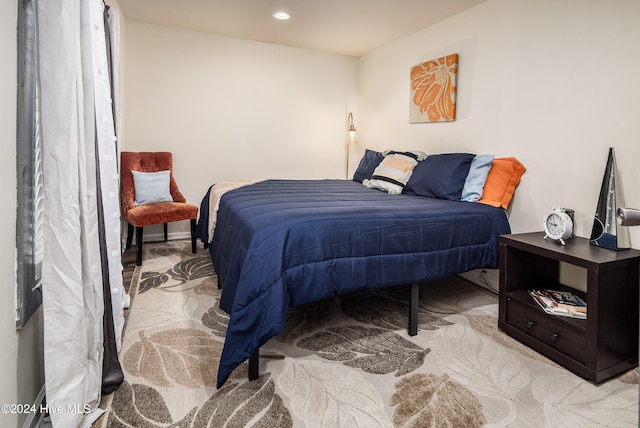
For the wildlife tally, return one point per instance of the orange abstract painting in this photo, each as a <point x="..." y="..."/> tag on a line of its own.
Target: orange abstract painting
<point x="433" y="90"/>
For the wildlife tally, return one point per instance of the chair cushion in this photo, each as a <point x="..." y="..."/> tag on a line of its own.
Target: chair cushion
<point x="151" y="187"/>
<point x="160" y="212"/>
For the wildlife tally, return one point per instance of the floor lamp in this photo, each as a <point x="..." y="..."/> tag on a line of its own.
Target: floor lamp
<point x="351" y="138"/>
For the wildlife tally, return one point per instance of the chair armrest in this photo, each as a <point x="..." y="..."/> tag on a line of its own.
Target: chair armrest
<point x="127" y="198"/>
<point x="175" y="192"/>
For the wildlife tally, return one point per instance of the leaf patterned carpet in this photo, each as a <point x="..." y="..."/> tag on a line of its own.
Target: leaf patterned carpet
<point x="346" y="362"/>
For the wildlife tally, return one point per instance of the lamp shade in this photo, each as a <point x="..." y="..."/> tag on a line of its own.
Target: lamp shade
<point x="606" y="231"/>
<point x="351" y="129"/>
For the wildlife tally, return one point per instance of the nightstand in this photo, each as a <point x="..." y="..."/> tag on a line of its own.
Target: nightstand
<point x="603" y="345"/>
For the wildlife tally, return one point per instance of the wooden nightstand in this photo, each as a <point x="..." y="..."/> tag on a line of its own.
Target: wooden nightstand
<point x="603" y="345"/>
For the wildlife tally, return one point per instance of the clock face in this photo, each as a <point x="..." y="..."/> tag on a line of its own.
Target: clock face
<point x="554" y="225"/>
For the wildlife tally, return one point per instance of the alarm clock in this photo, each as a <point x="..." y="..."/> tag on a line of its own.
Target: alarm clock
<point x="558" y="224"/>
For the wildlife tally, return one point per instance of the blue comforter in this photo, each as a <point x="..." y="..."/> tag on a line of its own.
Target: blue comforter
<point x="282" y="243"/>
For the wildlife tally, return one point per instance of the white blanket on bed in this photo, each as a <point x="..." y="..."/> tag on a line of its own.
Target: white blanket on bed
<point x="216" y="193"/>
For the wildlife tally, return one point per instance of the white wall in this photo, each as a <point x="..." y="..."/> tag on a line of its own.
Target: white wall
<point x="230" y="108"/>
<point x="552" y="82"/>
<point x="20" y="360"/>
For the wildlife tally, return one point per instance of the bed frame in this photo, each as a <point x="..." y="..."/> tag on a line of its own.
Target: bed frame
<point x="410" y="240"/>
<point x="412" y="330"/>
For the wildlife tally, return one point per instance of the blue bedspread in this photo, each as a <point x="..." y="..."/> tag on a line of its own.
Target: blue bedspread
<point x="282" y="243"/>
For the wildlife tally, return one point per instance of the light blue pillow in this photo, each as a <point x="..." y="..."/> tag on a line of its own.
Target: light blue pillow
<point x="151" y="187"/>
<point x="474" y="183"/>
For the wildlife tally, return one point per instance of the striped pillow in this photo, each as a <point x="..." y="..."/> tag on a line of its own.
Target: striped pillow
<point x="394" y="171"/>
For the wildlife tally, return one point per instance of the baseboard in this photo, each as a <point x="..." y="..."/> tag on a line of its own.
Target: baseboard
<point x="34" y="419"/>
<point x="486" y="278"/>
<point x="155" y="237"/>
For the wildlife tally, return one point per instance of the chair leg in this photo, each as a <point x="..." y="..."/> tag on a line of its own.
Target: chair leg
<point x="129" y="236"/>
<point x="193" y="235"/>
<point x="166" y="235"/>
<point x="139" y="246"/>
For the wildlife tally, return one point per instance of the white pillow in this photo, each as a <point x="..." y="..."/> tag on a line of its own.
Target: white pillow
<point x="151" y="187"/>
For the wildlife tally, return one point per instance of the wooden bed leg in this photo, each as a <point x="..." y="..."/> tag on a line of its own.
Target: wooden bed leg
<point x="414" y="298"/>
<point x="254" y="359"/>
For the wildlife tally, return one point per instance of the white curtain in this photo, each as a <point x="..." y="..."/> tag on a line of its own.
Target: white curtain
<point x="114" y="32"/>
<point x="74" y="95"/>
<point x="121" y="301"/>
<point x="109" y="175"/>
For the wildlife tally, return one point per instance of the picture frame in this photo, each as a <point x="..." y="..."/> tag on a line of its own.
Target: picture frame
<point x="433" y="90"/>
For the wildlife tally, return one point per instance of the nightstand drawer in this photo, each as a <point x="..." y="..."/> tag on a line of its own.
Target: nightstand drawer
<point x="547" y="329"/>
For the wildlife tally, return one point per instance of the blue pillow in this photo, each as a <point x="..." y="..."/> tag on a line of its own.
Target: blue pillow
<point x="440" y="176"/>
<point x="473" y="185"/>
<point x="368" y="164"/>
<point x="151" y="187"/>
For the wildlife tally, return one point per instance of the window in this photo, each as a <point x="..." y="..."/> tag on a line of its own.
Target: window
<point x="29" y="215"/>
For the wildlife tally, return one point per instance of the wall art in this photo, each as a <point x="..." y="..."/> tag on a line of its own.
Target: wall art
<point x="433" y="90"/>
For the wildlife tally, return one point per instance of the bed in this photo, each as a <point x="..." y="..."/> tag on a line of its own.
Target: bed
<point x="283" y="243"/>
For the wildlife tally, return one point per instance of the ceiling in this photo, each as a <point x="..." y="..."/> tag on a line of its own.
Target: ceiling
<point x="346" y="27"/>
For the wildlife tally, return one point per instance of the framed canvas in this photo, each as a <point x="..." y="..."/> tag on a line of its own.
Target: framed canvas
<point x="433" y="90"/>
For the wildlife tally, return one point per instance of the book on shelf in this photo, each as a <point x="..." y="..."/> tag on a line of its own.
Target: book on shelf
<point x="562" y="303"/>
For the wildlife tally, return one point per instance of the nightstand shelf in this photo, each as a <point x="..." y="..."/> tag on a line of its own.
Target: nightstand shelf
<point x="603" y="345"/>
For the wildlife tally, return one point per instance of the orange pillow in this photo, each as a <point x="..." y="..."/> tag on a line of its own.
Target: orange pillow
<point x="502" y="180"/>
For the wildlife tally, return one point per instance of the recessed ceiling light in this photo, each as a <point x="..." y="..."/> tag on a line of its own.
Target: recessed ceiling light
<point x="282" y="16"/>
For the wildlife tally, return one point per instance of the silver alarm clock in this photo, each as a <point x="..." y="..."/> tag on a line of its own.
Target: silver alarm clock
<point x="558" y="224"/>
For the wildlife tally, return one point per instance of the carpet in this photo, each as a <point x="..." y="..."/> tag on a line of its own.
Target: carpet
<point x="344" y="362"/>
